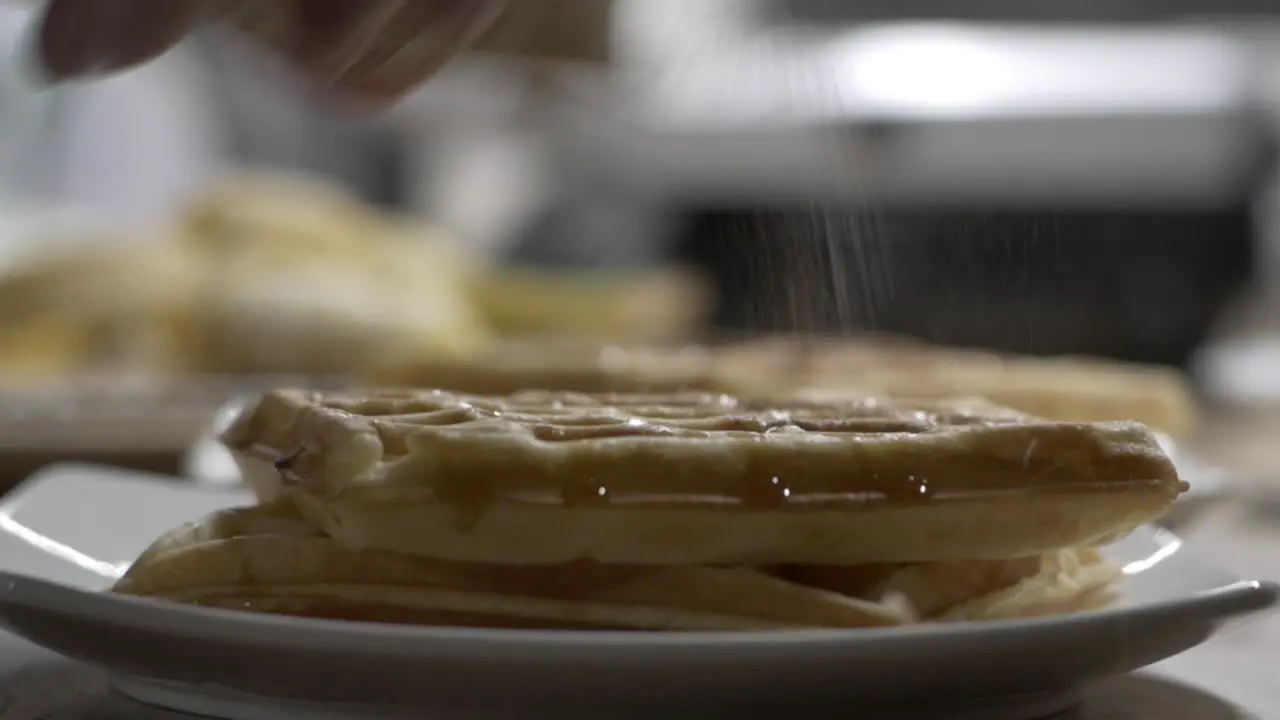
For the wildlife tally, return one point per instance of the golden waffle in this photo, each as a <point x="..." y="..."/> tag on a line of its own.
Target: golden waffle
<point x="634" y="306"/>
<point x="546" y="478"/>
<point x="1054" y="582"/>
<point x="308" y="279"/>
<point x="267" y="559"/>
<point x="279" y="216"/>
<point x="1078" y="389"/>
<point x="1062" y="388"/>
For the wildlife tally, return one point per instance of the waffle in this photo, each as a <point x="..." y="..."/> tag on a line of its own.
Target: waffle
<point x="1077" y="389"/>
<point x="268" y="559"/>
<point x="543" y="478"/>
<point x="1060" y="388"/>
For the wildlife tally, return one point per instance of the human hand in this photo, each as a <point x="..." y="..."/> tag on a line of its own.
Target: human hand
<point x="372" y="48"/>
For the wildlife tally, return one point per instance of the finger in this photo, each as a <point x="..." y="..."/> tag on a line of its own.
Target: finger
<point x="381" y="48"/>
<point x="86" y="37"/>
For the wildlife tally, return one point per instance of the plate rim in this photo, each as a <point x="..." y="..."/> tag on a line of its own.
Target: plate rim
<point x="1243" y="597"/>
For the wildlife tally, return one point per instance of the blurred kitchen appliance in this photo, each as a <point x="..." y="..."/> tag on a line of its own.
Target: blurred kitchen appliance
<point x="1040" y="189"/>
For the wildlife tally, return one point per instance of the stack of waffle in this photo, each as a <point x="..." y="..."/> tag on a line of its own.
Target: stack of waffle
<point x="677" y="511"/>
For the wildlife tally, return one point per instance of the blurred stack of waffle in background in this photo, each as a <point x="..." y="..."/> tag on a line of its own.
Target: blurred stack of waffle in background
<point x="304" y="279"/>
<point x="275" y="274"/>
<point x="127" y="341"/>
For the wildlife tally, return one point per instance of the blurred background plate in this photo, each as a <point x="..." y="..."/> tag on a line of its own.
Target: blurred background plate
<point x="140" y="422"/>
<point x="207" y="461"/>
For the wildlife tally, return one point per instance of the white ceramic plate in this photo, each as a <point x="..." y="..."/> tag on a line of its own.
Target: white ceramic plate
<point x="65" y="533"/>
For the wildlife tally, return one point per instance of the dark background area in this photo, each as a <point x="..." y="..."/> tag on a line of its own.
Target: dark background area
<point x="1142" y="286"/>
